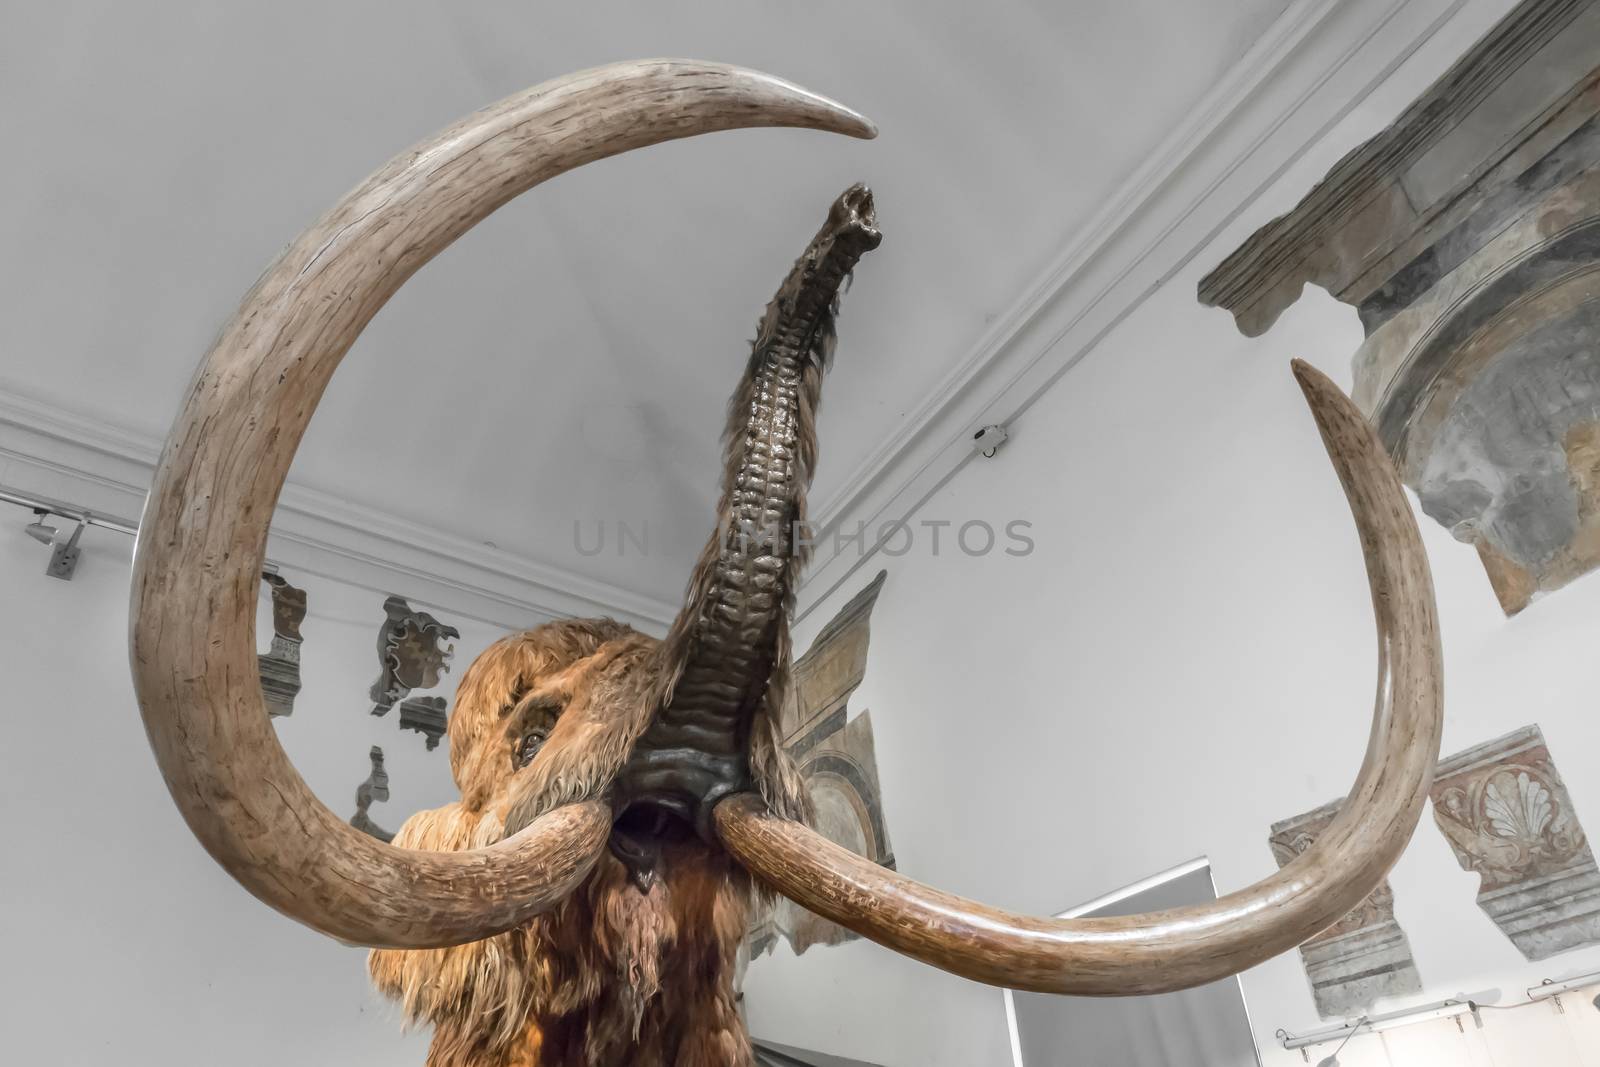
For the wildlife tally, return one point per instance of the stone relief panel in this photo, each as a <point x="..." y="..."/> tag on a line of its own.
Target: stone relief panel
<point x="280" y="664"/>
<point x="414" y="652"/>
<point x="1495" y="417"/>
<point x="1508" y="817"/>
<point x="374" y="789"/>
<point x="425" y="715"/>
<point x="837" y="758"/>
<point x="1362" y="957"/>
<point x="1467" y="235"/>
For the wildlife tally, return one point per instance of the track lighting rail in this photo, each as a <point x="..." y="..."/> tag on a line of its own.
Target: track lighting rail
<point x="43" y="505"/>
<point x="64" y="550"/>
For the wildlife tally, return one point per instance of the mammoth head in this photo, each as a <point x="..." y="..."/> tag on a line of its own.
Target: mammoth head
<point x="619" y="744"/>
<point x="636" y="965"/>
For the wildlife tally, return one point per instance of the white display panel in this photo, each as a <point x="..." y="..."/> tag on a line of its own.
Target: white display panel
<point x="1206" y="1025"/>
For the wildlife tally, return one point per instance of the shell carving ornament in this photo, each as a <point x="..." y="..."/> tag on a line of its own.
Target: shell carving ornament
<point x="1510" y="824"/>
<point x="1508" y="816"/>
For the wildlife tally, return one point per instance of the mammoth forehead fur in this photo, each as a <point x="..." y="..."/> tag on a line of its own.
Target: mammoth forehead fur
<point x="601" y="681"/>
<point x="595" y="677"/>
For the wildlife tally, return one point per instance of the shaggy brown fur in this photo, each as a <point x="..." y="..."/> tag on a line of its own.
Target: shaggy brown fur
<point x="582" y="986"/>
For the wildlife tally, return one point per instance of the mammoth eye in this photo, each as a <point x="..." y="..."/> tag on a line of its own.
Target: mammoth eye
<point x="529" y="748"/>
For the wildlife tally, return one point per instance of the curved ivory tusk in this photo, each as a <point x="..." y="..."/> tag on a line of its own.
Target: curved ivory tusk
<point x="204" y="532"/>
<point x="1183" y="947"/>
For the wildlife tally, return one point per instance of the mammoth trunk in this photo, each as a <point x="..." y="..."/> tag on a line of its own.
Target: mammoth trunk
<point x="733" y="630"/>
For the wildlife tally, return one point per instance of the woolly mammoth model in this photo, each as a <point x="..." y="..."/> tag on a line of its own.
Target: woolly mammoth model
<point x="581" y="903"/>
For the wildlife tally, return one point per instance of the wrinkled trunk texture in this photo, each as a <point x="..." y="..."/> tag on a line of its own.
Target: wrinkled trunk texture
<point x="733" y="629"/>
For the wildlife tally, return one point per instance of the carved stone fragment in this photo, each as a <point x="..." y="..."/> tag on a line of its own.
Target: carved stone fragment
<point x="413" y="653"/>
<point x="1468" y="236"/>
<point x="1508" y="816"/>
<point x="1362" y="957"/>
<point x="375" y="788"/>
<point x="836" y="756"/>
<point x="280" y="664"/>
<point x="425" y="715"/>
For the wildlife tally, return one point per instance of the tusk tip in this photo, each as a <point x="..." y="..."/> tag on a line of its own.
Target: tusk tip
<point x="821" y="112"/>
<point x="1310" y="378"/>
<point x="848" y="121"/>
<point x="1326" y="400"/>
<point x="1347" y="434"/>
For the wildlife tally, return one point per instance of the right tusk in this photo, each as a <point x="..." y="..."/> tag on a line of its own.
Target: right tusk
<point x="204" y="533"/>
<point x="1168" y="950"/>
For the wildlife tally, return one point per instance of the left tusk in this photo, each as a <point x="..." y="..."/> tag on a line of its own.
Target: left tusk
<point x="1168" y="950"/>
<point x="203" y="537"/>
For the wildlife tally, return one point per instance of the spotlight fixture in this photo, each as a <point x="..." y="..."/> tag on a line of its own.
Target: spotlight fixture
<point x="40" y="530"/>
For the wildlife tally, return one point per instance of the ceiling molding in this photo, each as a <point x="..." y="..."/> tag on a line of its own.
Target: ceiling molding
<point x="64" y="454"/>
<point x="1314" y="65"/>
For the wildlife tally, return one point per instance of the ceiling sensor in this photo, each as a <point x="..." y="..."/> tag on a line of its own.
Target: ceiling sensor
<point x="989" y="439"/>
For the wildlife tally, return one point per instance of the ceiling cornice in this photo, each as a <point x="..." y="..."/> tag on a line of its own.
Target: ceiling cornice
<point x="1313" y="66"/>
<point x="68" y="455"/>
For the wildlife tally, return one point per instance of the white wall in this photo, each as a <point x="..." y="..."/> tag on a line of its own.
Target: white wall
<point x="124" y="942"/>
<point x="1185" y="658"/>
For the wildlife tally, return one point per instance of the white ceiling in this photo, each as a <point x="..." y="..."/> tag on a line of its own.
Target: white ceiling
<point x="568" y="360"/>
